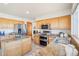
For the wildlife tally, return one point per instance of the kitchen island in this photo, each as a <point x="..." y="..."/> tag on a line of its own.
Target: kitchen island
<point x="17" y="47"/>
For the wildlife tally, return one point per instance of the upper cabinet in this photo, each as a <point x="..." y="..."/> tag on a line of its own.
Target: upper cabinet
<point x="29" y="28"/>
<point x="10" y="21"/>
<point x="54" y="23"/>
<point x="65" y="22"/>
<point x="58" y="23"/>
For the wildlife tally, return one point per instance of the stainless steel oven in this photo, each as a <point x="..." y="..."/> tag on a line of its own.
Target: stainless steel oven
<point x="43" y="40"/>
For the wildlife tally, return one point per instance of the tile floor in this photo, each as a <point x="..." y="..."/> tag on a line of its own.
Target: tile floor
<point x="34" y="47"/>
<point x="0" y="52"/>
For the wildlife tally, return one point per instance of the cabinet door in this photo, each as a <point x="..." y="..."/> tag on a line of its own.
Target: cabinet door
<point x="29" y="28"/>
<point x="64" y="22"/>
<point x="68" y="22"/>
<point x="36" y="39"/>
<point x="54" y="24"/>
<point x="38" y="25"/>
<point x="18" y="49"/>
<point x="12" y="48"/>
<point x="26" y="45"/>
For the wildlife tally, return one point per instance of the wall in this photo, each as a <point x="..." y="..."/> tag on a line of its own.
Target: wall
<point x="55" y="14"/>
<point x="58" y="24"/>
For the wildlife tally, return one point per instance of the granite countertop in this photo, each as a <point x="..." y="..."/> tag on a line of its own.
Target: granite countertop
<point x="17" y="37"/>
<point x="20" y="37"/>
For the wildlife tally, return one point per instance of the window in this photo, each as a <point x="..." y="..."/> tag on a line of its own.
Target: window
<point x="75" y="23"/>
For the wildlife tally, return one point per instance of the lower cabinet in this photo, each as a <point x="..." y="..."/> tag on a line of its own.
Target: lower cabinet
<point x="26" y="46"/>
<point x="17" y="47"/>
<point x="36" y="39"/>
<point x="12" y="48"/>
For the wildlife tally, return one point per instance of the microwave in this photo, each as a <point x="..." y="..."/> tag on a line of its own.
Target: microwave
<point x="45" y="26"/>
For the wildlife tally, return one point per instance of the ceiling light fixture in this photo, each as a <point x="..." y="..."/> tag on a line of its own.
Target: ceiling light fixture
<point x="27" y="12"/>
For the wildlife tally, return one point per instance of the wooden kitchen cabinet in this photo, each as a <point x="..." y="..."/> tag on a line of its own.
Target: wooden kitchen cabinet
<point x="68" y="22"/>
<point x="64" y="22"/>
<point x="29" y="28"/>
<point x="16" y="47"/>
<point x="36" y="39"/>
<point x="26" y="45"/>
<point x="12" y="48"/>
<point x="54" y="24"/>
<point x="50" y="38"/>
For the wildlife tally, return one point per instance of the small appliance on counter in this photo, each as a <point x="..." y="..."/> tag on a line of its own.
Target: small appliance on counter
<point x="2" y="33"/>
<point x="35" y="32"/>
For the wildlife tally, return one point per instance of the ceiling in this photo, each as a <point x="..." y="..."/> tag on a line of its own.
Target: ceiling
<point x="35" y="9"/>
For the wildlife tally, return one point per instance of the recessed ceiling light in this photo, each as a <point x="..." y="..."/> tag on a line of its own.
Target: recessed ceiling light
<point x="27" y="12"/>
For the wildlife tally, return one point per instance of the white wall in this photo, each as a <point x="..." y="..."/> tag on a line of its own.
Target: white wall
<point x="12" y="17"/>
<point x="53" y="15"/>
<point x="8" y="16"/>
<point x="57" y="31"/>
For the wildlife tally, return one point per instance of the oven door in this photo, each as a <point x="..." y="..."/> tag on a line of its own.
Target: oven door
<point x="43" y="43"/>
